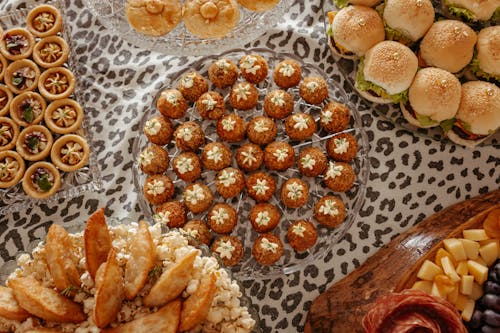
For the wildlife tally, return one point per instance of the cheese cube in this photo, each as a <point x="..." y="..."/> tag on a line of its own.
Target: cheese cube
<point x="468" y="310"/>
<point x="453" y="295"/>
<point x="461" y="302"/>
<point x="449" y="270"/>
<point x="423" y="285"/>
<point x="466" y="284"/>
<point x="475" y="234"/>
<point x="471" y="248"/>
<point x="489" y="253"/>
<point x="436" y="292"/>
<point x="428" y="271"/>
<point x="480" y="272"/>
<point x="443" y="253"/>
<point x="462" y="268"/>
<point x="456" y="248"/>
<point x="477" y="291"/>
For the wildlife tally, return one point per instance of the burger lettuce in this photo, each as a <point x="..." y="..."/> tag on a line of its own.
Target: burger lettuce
<point x="495" y="18"/>
<point x="461" y="12"/>
<point x="365" y="85"/>
<point x="475" y="67"/>
<point x="396" y="35"/>
<point x="341" y="3"/>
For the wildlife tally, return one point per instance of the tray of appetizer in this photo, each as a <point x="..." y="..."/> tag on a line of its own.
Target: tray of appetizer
<point x="442" y="271"/>
<point x="195" y="27"/>
<point x="45" y="141"/>
<point x="258" y="154"/>
<point x="429" y="66"/>
<point x="113" y="275"/>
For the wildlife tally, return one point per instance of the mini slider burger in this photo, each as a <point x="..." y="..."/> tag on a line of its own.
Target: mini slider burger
<point x="406" y="21"/>
<point x="486" y="62"/>
<point x="478" y="115"/>
<point x="433" y="97"/>
<point x="449" y="44"/>
<point x="472" y="10"/>
<point x="345" y="3"/>
<point x="386" y="72"/>
<point x="353" y="30"/>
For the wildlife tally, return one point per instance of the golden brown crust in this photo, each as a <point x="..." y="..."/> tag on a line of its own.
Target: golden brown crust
<point x="51" y="51"/>
<point x="249" y="157"/>
<point x="339" y="176"/>
<point x="56" y="83"/>
<point x="211" y="105"/>
<point x="313" y="90"/>
<point x="243" y="96"/>
<point x="262" y="130"/>
<point x="302" y="235"/>
<point x="189" y="136"/>
<point x="312" y="162"/>
<point x="153" y="160"/>
<point x="6" y="97"/>
<point x="158" y="189"/>
<point x="44" y="20"/>
<point x="3" y="64"/>
<point x="173" y="214"/>
<point x="278" y="104"/>
<point x="154" y="17"/>
<point x="300" y="126"/>
<point x="172" y="104"/>
<point x="260" y="186"/>
<point x="231" y="128"/>
<point x="294" y="193"/>
<point x="279" y="156"/>
<point x="264" y="217"/>
<point x="29" y="180"/>
<point x="70" y="152"/>
<point x="34" y="143"/>
<point x="63" y="116"/>
<point x="187" y="166"/>
<point x="254" y="68"/>
<point x="330" y="211"/>
<point x="342" y="147"/>
<point x="22" y="75"/>
<point x="335" y="117"/>
<point x="267" y="249"/>
<point x="259" y="5"/>
<point x="12" y="168"/>
<point x="197" y="197"/>
<point x="229" y="249"/>
<point x="223" y="73"/>
<point x="192" y="85"/>
<point x="9" y="133"/>
<point x="28" y="108"/>
<point x="222" y="218"/>
<point x="198" y="230"/>
<point x="229" y="182"/>
<point x="17" y="44"/>
<point x="287" y="74"/>
<point x="159" y="130"/>
<point x="216" y="156"/>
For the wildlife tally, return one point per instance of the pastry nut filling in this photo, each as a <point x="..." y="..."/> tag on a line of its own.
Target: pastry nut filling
<point x="71" y="153"/>
<point x="9" y="167"/>
<point x="44" y="21"/>
<point x="42" y="180"/>
<point x="35" y="142"/>
<point x="23" y="78"/>
<point x="4" y="98"/>
<point x="56" y="83"/>
<point x="16" y="44"/>
<point x="64" y="116"/>
<point x="6" y="134"/>
<point x="29" y="110"/>
<point x="50" y="52"/>
<point x="154" y="6"/>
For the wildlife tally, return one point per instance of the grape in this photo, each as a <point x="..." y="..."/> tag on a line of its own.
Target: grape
<point x="475" y="321"/>
<point x="492" y="276"/>
<point x="491" y="287"/>
<point x="491" y="301"/>
<point x="489" y="329"/>
<point x="491" y="318"/>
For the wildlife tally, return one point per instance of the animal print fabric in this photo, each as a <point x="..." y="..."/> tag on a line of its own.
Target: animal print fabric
<point x="412" y="176"/>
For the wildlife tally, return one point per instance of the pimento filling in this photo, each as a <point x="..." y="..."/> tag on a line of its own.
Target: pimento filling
<point x="64" y="116"/>
<point x="71" y="153"/>
<point x="42" y="180"/>
<point x="8" y="169"/>
<point x="16" y="44"/>
<point x="56" y="83"/>
<point x="29" y="110"/>
<point x="6" y="134"/>
<point x="35" y="142"/>
<point x="44" y="21"/>
<point x="51" y="52"/>
<point x="23" y="78"/>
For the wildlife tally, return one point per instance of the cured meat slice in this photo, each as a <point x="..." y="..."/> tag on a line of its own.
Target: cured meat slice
<point x="412" y="311"/>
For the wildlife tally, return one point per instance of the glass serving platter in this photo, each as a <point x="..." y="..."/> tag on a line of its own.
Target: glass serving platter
<point x="74" y="183"/>
<point x="392" y="112"/>
<point x="179" y="41"/>
<point x="291" y="261"/>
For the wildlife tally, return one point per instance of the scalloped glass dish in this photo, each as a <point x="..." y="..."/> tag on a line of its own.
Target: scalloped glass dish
<point x="74" y="183"/>
<point x="180" y="41"/>
<point x="291" y="261"/>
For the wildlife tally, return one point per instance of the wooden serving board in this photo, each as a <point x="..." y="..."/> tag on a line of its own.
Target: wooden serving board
<point x="341" y="307"/>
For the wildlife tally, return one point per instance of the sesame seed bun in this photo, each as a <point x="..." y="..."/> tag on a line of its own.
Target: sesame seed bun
<point x="412" y="18"/>
<point x="434" y="93"/>
<point x="481" y="9"/>
<point x="488" y="50"/>
<point x="356" y="29"/>
<point x="390" y="65"/>
<point x="449" y="44"/>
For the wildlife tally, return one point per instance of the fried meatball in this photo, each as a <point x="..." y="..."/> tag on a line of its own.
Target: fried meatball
<point x="243" y="96"/>
<point x="278" y="104"/>
<point x="342" y="147"/>
<point x="211" y="105"/>
<point x="172" y="104"/>
<point x="302" y="235"/>
<point x="339" y="176"/>
<point x="249" y="157"/>
<point x="260" y="186"/>
<point x="330" y="211"/>
<point x="192" y="85"/>
<point x="300" y="126"/>
<point x="294" y="193"/>
<point x="279" y="156"/>
<point x="229" y="182"/>
<point x="187" y="166"/>
<point x="231" y="128"/>
<point x="172" y="213"/>
<point x="197" y="197"/>
<point x="189" y="136"/>
<point x="312" y="162"/>
<point x="335" y="117"/>
<point x="216" y="156"/>
<point x="223" y="73"/>
<point x="267" y="249"/>
<point x="229" y="249"/>
<point x="153" y="160"/>
<point x="222" y="218"/>
<point x="198" y="230"/>
<point x="313" y="90"/>
<point x="158" y="189"/>
<point x="262" y="130"/>
<point x="264" y="217"/>
<point x="253" y="68"/>
<point x="159" y="130"/>
<point x="287" y="74"/>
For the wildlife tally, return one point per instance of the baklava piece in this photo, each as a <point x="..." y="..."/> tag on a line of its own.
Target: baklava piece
<point x="300" y="126"/>
<point x="249" y="157"/>
<point x="231" y="128"/>
<point x="260" y="186"/>
<point x="173" y="214"/>
<point x="9" y="132"/>
<point x="153" y="160"/>
<point x="34" y="143"/>
<point x="267" y="249"/>
<point x="44" y="20"/>
<point x="6" y="97"/>
<point x="243" y="96"/>
<point x="172" y="104"/>
<point x="262" y="130"/>
<point x="216" y="156"/>
<point x="17" y="44"/>
<point x="287" y="74"/>
<point x="158" y="189"/>
<point x="313" y="90"/>
<point x="197" y="197"/>
<point x="342" y="147"/>
<point x="279" y="156"/>
<point x="229" y="249"/>
<point x="187" y="166"/>
<point x="189" y="136"/>
<point x="63" y="116"/>
<point x="56" y="83"/>
<point x="192" y="85"/>
<point x="41" y="180"/>
<point x="339" y="176"/>
<point x="223" y="73"/>
<point x="254" y="68"/>
<point x="52" y="51"/>
<point x="312" y="162"/>
<point x="28" y="108"/>
<point x="211" y="105"/>
<point x="12" y="168"/>
<point x="22" y="75"/>
<point x="229" y="182"/>
<point x="302" y="235"/>
<point x="159" y="130"/>
<point x="222" y="218"/>
<point x="330" y="211"/>
<point x="278" y="104"/>
<point x="70" y="152"/>
<point x="294" y="193"/>
<point x="264" y="217"/>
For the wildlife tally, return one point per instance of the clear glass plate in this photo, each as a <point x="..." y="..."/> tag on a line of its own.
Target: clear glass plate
<point x="291" y="261"/>
<point x="75" y="183"/>
<point x="180" y="42"/>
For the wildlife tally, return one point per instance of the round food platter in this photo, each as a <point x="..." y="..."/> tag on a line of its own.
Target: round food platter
<point x="291" y="261"/>
<point x="179" y="41"/>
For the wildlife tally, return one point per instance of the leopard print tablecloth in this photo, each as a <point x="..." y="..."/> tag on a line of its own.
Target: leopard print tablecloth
<point x="411" y="176"/>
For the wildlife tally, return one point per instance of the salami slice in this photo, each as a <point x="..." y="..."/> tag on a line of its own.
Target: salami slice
<point x="412" y="311"/>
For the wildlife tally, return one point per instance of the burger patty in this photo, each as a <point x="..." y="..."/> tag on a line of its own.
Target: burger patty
<point x="465" y="134"/>
<point x="410" y="110"/>
<point x="340" y="51"/>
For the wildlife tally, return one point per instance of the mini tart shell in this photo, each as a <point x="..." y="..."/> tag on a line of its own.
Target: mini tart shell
<point x="52" y="71"/>
<point x="52" y="107"/>
<point x="55" y="153"/>
<point x="39" y="47"/>
<point x="33" y="15"/>
<point x="3" y="64"/>
<point x="15" y="105"/>
<point x="28" y="186"/>
<point x="5" y="91"/>
<point x="20" y="172"/>
<point x="15" y="134"/>
<point x="17" y="31"/>
<point x="14" y="66"/>
<point x="25" y="153"/>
